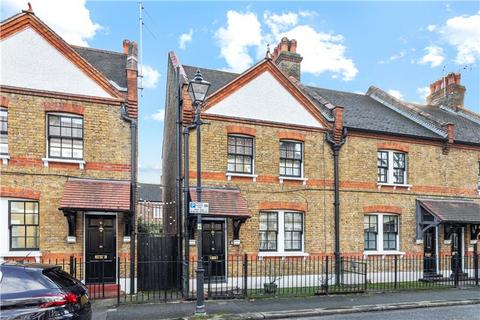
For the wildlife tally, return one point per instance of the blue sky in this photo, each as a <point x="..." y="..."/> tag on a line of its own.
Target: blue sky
<point x="400" y="47"/>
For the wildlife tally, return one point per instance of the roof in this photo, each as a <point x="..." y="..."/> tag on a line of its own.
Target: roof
<point x="364" y="113"/>
<point x="453" y="210"/>
<point x="89" y="194"/>
<point x="149" y="192"/>
<point x="111" y="64"/>
<point x="223" y="202"/>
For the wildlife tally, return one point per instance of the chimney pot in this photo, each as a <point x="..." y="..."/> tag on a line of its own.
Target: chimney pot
<point x="447" y="91"/>
<point x="287" y="59"/>
<point x="126" y="45"/>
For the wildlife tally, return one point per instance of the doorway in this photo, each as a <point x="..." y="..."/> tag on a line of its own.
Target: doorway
<point x="100" y="249"/>
<point x="213" y="248"/>
<point x="430" y="252"/>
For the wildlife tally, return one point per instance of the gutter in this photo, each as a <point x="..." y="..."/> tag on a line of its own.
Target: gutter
<point x="133" y="166"/>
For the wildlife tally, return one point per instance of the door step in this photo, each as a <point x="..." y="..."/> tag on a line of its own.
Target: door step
<point x="103" y="291"/>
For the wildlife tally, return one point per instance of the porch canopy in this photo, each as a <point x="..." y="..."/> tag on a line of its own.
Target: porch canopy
<point x="433" y="212"/>
<point x="454" y="211"/>
<point x="223" y="202"/>
<point x="94" y="195"/>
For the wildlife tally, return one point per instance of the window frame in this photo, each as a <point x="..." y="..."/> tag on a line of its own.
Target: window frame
<point x="280" y="250"/>
<point x="293" y="231"/>
<point x="302" y="157"/>
<point x="390" y="175"/>
<point x="380" y="236"/>
<point x="478" y="178"/>
<point x="376" y="231"/>
<point x="268" y="213"/>
<point x="4" y="132"/>
<point x="11" y="248"/>
<point x="252" y="165"/>
<point x="49" y="136"/>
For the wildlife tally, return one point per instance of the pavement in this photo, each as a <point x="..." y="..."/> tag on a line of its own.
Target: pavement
<point x="282" y="308"/>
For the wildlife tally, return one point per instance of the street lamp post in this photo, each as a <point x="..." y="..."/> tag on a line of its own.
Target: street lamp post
<point x="197" y="89"/>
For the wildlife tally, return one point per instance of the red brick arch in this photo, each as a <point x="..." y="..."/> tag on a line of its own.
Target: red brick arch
<point x="390" y="145"/>
<point x="382" y="209"/>
<point x="4" y="102"/>
<point x="235" y="129"/>
<point x="290" y="135"/>
<point x="282" y="205"/>
<point x="64" y="107"/>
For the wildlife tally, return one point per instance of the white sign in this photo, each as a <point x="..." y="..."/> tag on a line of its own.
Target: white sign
<point x="199" y="207"/>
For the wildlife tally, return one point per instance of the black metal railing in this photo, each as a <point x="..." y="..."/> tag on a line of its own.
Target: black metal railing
<point x="244" y="276"/>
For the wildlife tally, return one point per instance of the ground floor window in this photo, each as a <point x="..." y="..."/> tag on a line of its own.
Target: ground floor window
<point x="24" y="226"/>
<point x="381" y="232"/>
<point x="281" y="231"/>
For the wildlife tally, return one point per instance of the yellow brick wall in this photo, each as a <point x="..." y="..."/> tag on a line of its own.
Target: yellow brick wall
<point x="431" y="174"/>
<point x="106" y="141"/>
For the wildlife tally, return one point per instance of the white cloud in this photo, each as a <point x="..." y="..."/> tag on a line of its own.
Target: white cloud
<point x="70" y="19"/>
<point x="397" y="94"/>
<point x="159" y="115"/>
<point x="394" y="57"/>
<point x="242" y="32"/>
<point x="184" y="39"/>
<point x="434" y="56"/>
<point x="423" y="92"/>
<point x="431" y="27"/>
<point x="150" y="172"/>
<point x="150" y="77"/>
<point x="463" y="33"/>
<point x="280" y="22"/>
<point x="322" y="52"/>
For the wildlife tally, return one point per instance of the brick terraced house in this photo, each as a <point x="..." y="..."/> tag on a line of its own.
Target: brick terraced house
<point x="67" y="114"/>
<point x="408" y="174"/>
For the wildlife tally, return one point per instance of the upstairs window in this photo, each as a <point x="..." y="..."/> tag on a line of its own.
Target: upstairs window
<point x="291" y="158"/>
<point x="3" y="131"/>
<point x="65" y="137"/>
<point x="24" y="226"/>
<point x="391" y="167"/>
<point x="240" y="154"/>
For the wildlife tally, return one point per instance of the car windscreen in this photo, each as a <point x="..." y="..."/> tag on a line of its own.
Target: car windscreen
<point x="23" y="282"/>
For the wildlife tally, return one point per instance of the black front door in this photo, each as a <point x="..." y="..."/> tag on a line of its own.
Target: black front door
<point x="214" y="249"/>
<point x="100" y="249"/>
<point x="457" y="248"/>
<point x="430" y="252"/>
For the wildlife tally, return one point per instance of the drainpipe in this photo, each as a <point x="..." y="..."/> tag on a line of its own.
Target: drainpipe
<point x="336" y="144"/>
<point x="133" y="166"/>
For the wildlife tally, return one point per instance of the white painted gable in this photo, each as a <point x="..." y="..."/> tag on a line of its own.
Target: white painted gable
<point x="264" y="98"/>
<point x="29" y="61"/>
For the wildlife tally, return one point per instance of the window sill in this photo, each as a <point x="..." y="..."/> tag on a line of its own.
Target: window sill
<point x="282" y="254"/>
<point x="395" y="186"/>
<point x="383" y="253"/>
<point x="6" y="157"/>
<point x="46" y="161"/>
<point x="23" y="254"/>
<point x="283" y="178"/>
<point x="229" y="176"/>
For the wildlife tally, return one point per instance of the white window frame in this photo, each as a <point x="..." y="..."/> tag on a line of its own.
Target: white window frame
<point x="478" y="179"/>
<point x="390" y="169"/>
<point x="281" y="236"/>
<point x="380" y="250"/>
<point x="252" y="175"/>
<point x="47" y="159"/>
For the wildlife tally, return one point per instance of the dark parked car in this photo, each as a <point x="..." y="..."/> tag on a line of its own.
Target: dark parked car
<point x="41" y="292"/>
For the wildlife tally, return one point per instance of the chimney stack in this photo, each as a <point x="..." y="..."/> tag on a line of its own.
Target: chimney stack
<point x="287" y="59"/>
<point x="447" y="91"/>
<point x="131" y="50"/>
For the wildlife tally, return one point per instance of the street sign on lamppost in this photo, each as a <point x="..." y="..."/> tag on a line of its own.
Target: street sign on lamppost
<point x="198" y="89"/>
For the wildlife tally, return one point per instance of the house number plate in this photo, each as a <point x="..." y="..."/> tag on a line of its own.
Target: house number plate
<point x="100" y="257"/>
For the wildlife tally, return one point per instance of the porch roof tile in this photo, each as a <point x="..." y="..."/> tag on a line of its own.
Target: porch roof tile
<point x="99" y="195"/>
<point x="223" y="202"/>
<point x="453" y="210"/>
